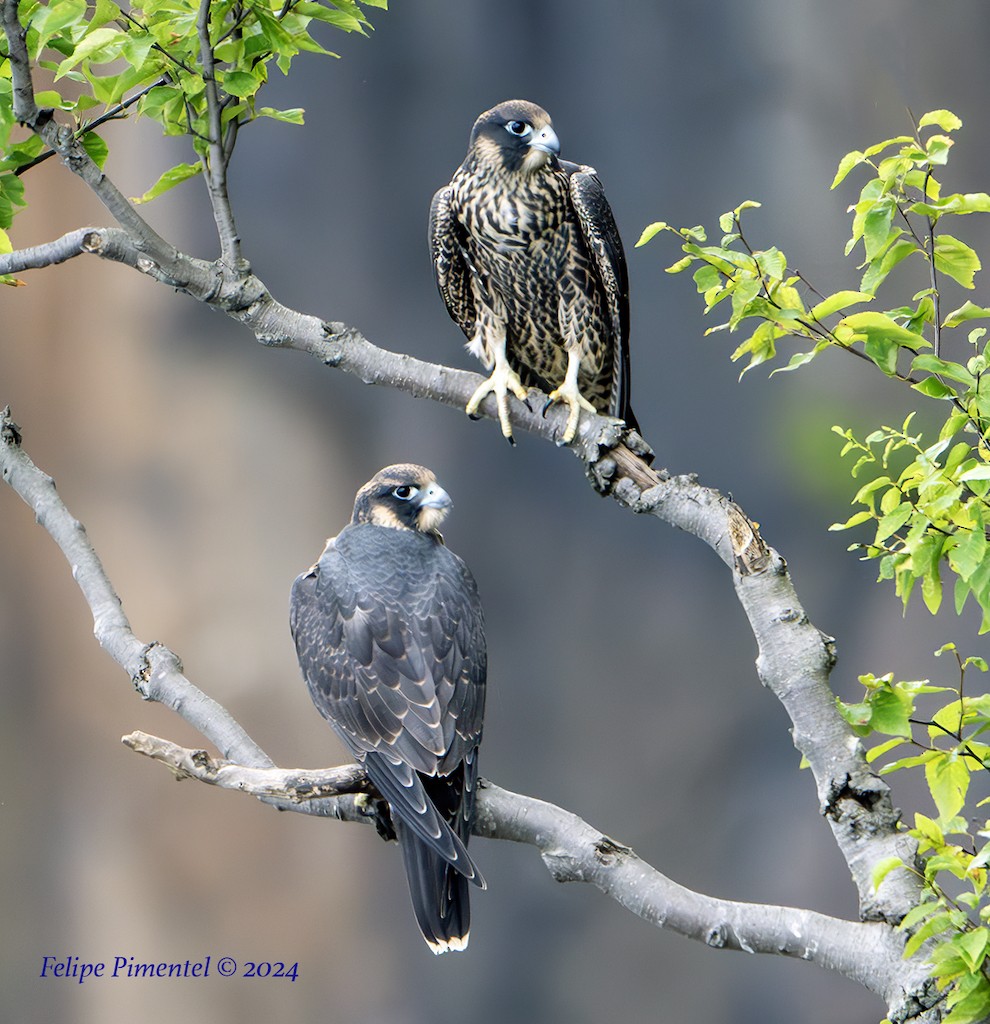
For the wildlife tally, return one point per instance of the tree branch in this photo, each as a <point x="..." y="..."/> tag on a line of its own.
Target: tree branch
<point x="571" y="849"/>
<point x="215" y="162"/>
<point x="153" y="669"/>
<point x="795" y="658"/>
<point x="574" y="851"/>
<point x="62" y="139"/>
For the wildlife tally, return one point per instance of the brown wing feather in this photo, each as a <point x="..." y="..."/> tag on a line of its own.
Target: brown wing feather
<point x="450" y="263"/>
<point x="601" y="236"/>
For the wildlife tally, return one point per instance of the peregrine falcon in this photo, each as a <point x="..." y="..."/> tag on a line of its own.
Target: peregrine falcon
<point x="529" y="263"/>
<point x="390" y="637"/>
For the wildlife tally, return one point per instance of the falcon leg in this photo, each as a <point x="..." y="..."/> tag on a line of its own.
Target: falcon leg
<point x="503" y="380"/>
<point x="570" y="395"/>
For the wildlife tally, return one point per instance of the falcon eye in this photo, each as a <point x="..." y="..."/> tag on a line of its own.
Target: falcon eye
<point x="518" y="128"/>
<point x="405" y="492"/>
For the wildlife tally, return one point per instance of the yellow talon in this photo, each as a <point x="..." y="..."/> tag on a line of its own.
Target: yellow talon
<point x="575" y="402"/>
<point x="503" y="380"/>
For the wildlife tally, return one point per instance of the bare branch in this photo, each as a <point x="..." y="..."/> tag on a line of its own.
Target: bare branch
<point x="574" y="851"/>
<point x="795" y="661"/>
<point x="153" y="669"/>
<point x="795" y="657"/>
<point x="571" y="849"/>
<point x="215" y="163"/>
<point x="283" y="786"/>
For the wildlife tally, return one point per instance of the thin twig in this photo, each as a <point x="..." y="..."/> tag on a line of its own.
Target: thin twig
<point x="217" y="153"/>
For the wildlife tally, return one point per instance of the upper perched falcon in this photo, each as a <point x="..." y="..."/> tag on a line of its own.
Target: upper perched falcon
<point x="529" y="262"/>
<point x="391" y="640"/>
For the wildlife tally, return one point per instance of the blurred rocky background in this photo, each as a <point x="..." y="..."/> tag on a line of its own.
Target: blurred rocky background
<point x="209" y="471"/>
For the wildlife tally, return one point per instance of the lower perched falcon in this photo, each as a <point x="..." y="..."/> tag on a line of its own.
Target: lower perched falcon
<point x="390" y="636"/>
<point x="529" y="262"/>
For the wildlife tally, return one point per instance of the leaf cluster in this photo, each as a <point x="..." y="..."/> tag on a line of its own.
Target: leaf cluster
<point x="158" y="59"/>
<point x="927" y="503"/>
<point x="954" y="916"/>
<point x="928" y="507"/>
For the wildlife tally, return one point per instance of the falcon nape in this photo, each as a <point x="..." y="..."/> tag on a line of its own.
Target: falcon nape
<point x="390" y="636"/>
<point x="529" y="263"/>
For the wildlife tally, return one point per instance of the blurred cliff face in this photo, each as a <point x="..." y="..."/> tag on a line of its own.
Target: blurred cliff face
<point x="209" y="471"/>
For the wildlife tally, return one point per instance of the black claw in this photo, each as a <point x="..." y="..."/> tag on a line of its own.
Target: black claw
<point x="546" y="406"/>
<point x="511" y="440"/>
<point x="526" y="403"/>
<point x="473" y="416"/>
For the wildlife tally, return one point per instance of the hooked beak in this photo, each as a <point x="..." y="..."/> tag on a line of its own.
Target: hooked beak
<point x="546" y="141"/>
<point x="435" y="497"/>
<point x="433" y="507"/>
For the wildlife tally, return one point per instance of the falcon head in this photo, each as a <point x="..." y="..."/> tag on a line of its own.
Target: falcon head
<point x="515" y="136"/>
<point x="402" y="497"/>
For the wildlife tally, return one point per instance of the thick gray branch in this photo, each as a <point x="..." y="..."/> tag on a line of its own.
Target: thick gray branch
<point x="155" y="671"/>
<point x="795" y="658"/>
<point x="571" y="849"/>
<point x="574" y="851"/>
<point x="794" y="662"/>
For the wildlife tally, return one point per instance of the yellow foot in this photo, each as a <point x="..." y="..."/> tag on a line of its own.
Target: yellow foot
<point x="503" y="380"/>
<point x="569" y="394"/>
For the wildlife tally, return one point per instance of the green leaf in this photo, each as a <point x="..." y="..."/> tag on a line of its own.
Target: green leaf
<point x="931" y="590"/>
<point x="838" y="300"/>
<point x="650" y="231"/>
<point x="933" y="926"/>
<point x="294" y="115"/>
<point x="846" y="164"/>
<point x="772" y="263"/>
<point x="874" y="326"/>
<point x="937" y="149"/>
<point x="948" y="781"/>
<point x="53" y="99"/>
<point x="240" y="84"/>
<point x="101" y="45"/>
<point x="956" y="259"/>
<point x="854" y="520"/>
<point x="891" y="713"/>
<point x="932" y="387"/>
<point x="876" y="228"/>
<point x="877" y="272"/>
<point x="882" y="868"/>
<point x="96" y="148"/>
<point x="879" y="147"/>
<point x="682" y="264"/>
<point x="967" y="311"/>
<point x="746" y="290"/>
<point x="943" y="119"/>
<point x="971" y="1004"/>
<point x="49" y="21"/>
<point x="801" y="358"/>
<point x="893" y="521"/>
<point x="944" y="368"/>
<point x="882" y="748"/>
<point x="171" y="178"/>
<point x="970" y="202"/>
